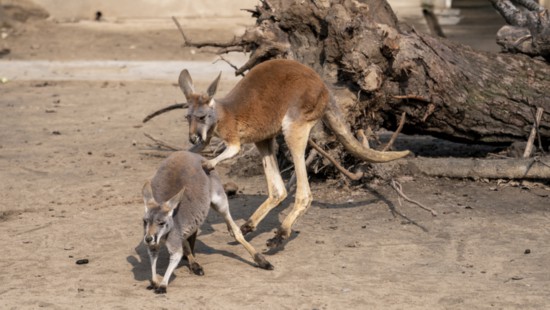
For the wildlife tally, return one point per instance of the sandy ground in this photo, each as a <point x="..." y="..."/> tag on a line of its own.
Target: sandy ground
<point x="73" y="159"/>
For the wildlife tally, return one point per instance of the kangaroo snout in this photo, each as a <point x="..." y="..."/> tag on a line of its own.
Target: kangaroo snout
<point x="195" y="139"/>
<point x="148" y="239"/>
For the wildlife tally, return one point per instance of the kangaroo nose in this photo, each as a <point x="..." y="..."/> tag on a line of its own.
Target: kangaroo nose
<point x="194" y="139"/>
<point x="148" y="239"/>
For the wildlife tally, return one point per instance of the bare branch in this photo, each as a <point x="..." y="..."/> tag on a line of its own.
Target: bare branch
<point x="534" y="130"/>
<point x="396" y="133"/>
<point x="433" y="23"/>
<point x="229" y="63"/>
<point x="163" y="144"/>
<point x="234" y="45"/>
<point x="414" y="97"/>
<point x="398" y="188"/>
<point x="352" y="176"/>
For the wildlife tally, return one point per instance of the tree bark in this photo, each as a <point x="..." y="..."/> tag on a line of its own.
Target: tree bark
<point x="379" y="68"/>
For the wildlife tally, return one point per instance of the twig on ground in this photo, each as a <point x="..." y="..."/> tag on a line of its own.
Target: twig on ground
<point x="399" y="189"/>
<point x="396" y="133"/>
<point x="162" y="143"/>
<point x="537" y="159"/>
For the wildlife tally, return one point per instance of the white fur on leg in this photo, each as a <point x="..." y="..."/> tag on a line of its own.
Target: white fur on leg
<point x="175" y="259"/>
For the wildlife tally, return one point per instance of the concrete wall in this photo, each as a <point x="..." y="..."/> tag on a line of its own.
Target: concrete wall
<point x="112" y="9"/>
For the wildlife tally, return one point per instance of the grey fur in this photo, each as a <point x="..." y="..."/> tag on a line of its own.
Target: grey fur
<point x="177" y="200"/>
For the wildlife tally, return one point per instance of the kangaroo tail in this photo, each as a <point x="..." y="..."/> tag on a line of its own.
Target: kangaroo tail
<point x="334" y="119"/>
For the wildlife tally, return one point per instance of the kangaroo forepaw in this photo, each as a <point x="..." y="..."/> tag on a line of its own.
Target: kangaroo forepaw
<point x="262" y="262"/>
<point x="160" y="290"/>
<point x="197" y="269"/>
<point x="247" y="228"/>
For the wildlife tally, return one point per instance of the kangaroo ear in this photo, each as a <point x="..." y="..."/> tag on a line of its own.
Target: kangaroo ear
<point x="174" y="201"/>
<point x="147" y="193"/>
<point x="213" y="87"/>
<point x="186" y="83"/>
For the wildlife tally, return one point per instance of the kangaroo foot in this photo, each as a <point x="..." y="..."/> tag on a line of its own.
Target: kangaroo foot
<point x="278" y="241"/>
<point x="160" y="290"/>
<point x="262" y="262"/>
<point x="247" y="228"/>
<point x="197" y="269"/>
<point x="152" y="285"/>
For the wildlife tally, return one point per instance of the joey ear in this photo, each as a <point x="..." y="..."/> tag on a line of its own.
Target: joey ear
<point x="213" y="87"/>
<point x="147" y="193"/>
<point x="186" y="83"/>
<point x="174" y="201"/>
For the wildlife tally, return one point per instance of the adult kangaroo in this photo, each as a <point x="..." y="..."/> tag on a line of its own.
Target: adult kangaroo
<point x="275" y="96"/>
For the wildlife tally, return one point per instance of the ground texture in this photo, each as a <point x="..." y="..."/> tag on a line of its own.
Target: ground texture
<point x="73" y="159"/>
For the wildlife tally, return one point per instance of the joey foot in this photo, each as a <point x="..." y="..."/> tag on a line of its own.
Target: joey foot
<point x="279" y="240"/>
<point x="197" y="269"/>
<point x="207" y="166"/>
<point x="160" y="290"/>
<point x="247" y="228"/>
<point x="152" y="285"/>
<point x="262" y="262"/>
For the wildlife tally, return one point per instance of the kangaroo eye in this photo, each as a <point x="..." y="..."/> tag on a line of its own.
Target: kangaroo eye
<point x="162" y="223"/>
<point x="202" y="118"/>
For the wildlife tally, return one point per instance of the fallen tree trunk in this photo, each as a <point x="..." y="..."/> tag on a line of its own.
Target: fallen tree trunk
<point x="506" y="168"/>
<point x="380" y="68"/>
<point x="528" y="29"/>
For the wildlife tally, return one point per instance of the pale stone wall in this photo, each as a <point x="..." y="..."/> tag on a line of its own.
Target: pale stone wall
<point x="112" y="9"/>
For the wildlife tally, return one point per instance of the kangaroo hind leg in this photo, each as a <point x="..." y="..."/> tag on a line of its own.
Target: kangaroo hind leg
<point x="275" y="185"/>
<point x="296" y="135"/>
<point x="221" y="205"/>
<point x="195" y="267"/>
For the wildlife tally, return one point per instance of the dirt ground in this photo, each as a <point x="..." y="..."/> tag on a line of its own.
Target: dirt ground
<point x="73" y="159"/>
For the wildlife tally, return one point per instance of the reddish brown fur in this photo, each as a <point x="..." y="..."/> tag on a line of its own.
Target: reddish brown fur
<point x="256" y="106"/>
<point x="276" y="95"/>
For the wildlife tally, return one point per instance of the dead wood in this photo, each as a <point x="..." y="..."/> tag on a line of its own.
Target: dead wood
<point x="396" y="133"/>
<point x="473" y="168"/>
<point x="163" y="144"/>
<point x="374" y="64"/>
<point x="433" y="23"/>
<point x="534" y="131"/>
<point x="399" y="189"/>
<point x="528" y="29"/>
<point x="352" y="176"/>
<point x="360" y="47"/>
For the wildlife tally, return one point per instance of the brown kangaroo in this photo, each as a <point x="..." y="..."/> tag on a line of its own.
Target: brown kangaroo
<point x="275" y="96"/>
